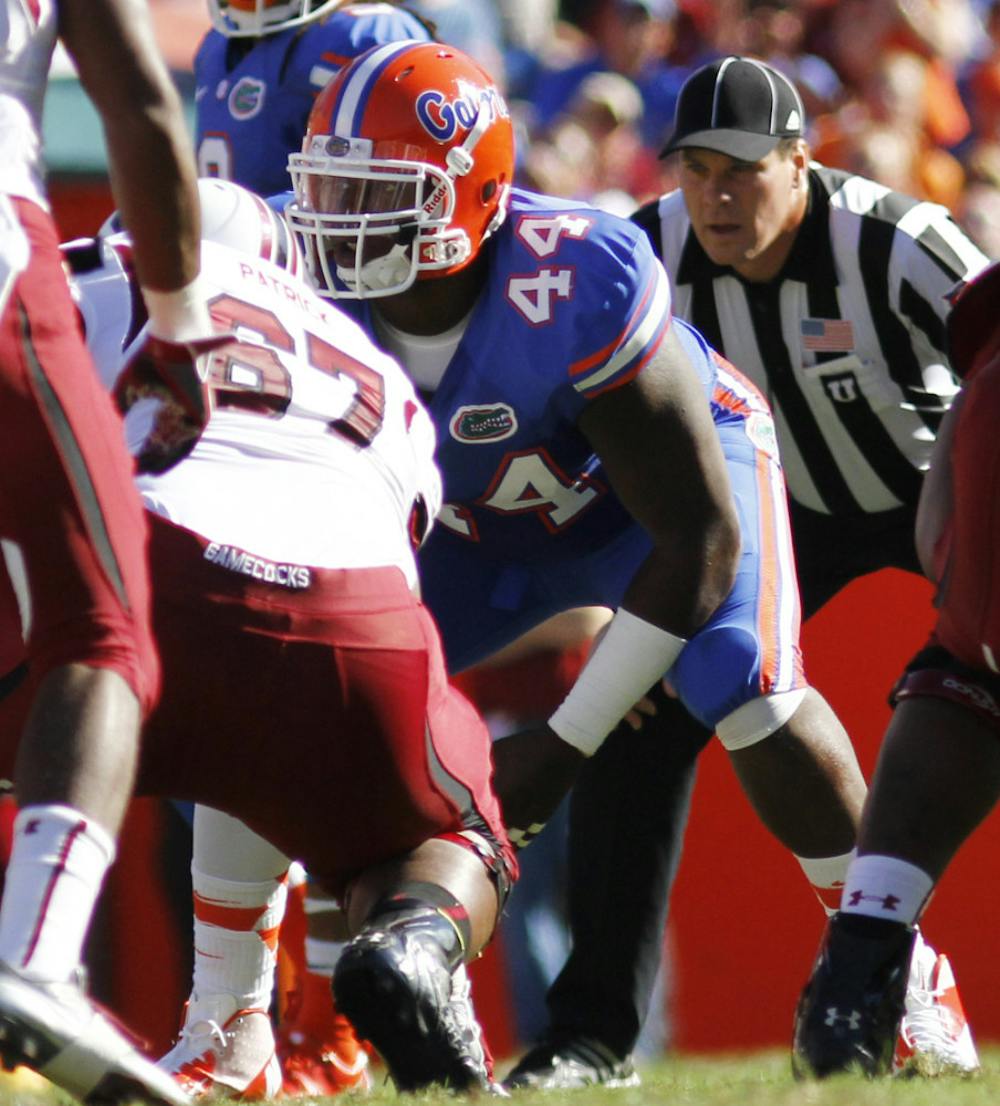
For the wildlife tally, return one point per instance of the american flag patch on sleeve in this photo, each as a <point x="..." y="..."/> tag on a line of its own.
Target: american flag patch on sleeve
<point x="824" y="335"/>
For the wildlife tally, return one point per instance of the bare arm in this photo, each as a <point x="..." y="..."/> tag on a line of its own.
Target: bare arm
<point x="152" y="167"/>
<point x="662" y="454"/>
<point x="936" y="496"/>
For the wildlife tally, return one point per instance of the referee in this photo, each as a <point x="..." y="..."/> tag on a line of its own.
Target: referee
<point x="829" y="291"/>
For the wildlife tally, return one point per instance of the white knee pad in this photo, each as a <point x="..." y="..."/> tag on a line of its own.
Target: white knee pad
<point x="759" y="718"/>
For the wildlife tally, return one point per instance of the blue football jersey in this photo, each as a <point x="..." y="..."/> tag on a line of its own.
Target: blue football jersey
<point x="575" y="304"/>
<point x="253" y="96"/>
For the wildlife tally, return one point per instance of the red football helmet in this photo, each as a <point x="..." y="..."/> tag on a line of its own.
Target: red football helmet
<point x="405" y="170"/>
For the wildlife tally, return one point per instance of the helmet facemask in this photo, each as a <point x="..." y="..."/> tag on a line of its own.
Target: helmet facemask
<point x="373" y="216"/>
<point x="255" y="18"/>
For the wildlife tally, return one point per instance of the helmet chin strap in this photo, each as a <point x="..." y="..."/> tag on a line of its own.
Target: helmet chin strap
<point x="459" y="159"/>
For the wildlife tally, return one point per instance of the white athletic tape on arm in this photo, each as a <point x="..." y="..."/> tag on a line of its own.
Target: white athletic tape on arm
<point x="181" y="315"/>
<point x="628" y="660"/>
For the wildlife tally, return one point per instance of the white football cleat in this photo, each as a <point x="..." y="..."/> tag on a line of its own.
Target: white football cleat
<point x="57" y="1031"/>
<point x="224" y="1050"/>
<point x="934" y="1035"/>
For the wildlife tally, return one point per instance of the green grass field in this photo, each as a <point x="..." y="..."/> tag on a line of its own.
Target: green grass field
<point x="760" y="1079"/>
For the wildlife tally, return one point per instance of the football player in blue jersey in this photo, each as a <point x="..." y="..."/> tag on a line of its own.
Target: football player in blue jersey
<point x="260" y="69"/>
<point x="595" y="451"/>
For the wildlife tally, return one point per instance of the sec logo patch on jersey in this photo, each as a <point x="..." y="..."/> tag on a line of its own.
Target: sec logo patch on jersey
<point x="487" y="423"/>
<point x="761" y="431"/>
<point x="247" y="98"/>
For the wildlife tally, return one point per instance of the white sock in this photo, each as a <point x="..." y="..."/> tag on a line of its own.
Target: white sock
<point x="321" y="954"/>
<point x="236" y="937"/>
<point x="885" y="887"/>
<point x="826" y="875"/>
<point x="57" y="867"/>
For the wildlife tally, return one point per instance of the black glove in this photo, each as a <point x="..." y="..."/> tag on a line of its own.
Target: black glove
<point x="534" y="769"/>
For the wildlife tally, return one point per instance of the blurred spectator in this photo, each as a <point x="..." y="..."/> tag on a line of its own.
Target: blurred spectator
<point x="528" y="24"/>
<point x="979" y="212"/>
<point x="983" y="80"/>
<point x="774" y="31"/>
<point x="474" y="26"/>
<point x="883" y="131"/>
<point x="630" y="37"/>
<point x="940" y="31"/>
<point x="980" y="216"/>
<point x="593" y="150"/>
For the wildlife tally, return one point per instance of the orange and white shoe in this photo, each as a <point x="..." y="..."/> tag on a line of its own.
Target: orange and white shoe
<point x="934" y="1035"/>
<point x="328" y="1064"/>
<point x="224" y="1051"/>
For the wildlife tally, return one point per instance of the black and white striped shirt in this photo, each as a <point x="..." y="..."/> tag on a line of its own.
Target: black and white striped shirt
<point x="847" y="341"/>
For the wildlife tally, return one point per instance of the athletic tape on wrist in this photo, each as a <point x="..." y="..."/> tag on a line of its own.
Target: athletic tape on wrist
<point x="181" y="315"/>
<point x="628" y="660"/>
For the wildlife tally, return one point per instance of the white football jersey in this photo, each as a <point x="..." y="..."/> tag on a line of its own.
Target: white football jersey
<point x="317" y="447"/>
<point x="27" y="41"/>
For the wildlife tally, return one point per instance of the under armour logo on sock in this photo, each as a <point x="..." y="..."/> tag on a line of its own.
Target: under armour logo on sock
<point x="853" y="1019"/>
<point x="32" y="826"/>
<point x="889" y="902"/>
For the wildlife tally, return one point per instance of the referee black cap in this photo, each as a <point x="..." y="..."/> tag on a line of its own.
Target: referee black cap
<point x="737" y="106"/>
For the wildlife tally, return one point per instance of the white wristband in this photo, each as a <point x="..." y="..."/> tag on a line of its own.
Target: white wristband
<point x="627" y="662"/>
<point x="181" y="315"/>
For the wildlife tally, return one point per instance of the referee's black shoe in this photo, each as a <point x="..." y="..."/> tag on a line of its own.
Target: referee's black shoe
<point x="567" y="1062"/>
<point x="849" y="1013"/>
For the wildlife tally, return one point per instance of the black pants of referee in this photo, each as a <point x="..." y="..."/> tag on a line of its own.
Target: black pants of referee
<point x="629" y="808"/>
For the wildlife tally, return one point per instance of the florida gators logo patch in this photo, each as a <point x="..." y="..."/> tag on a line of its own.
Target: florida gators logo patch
<point x="490" y="423"/>
<point x="247" y="98"/>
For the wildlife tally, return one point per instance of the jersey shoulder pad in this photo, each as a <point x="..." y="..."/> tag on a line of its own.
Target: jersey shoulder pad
<point x="597" y="275"/>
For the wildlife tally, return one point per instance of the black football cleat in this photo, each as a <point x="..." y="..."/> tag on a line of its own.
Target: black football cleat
<point x="849" y="1014"/>
<point x="560" y="1063"/>
<point x="396" y="989"/>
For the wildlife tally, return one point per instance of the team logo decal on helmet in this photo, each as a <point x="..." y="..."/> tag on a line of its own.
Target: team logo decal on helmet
<point x="405" y="170"/>
<point x="443" y="118"/>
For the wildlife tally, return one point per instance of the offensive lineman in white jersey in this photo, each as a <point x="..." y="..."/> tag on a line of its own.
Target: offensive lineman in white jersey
<point x="304" y="691"/>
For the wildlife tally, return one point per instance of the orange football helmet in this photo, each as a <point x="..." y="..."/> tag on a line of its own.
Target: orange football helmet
<point x="405" y="170"/>
<point x="254" y="18"/>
